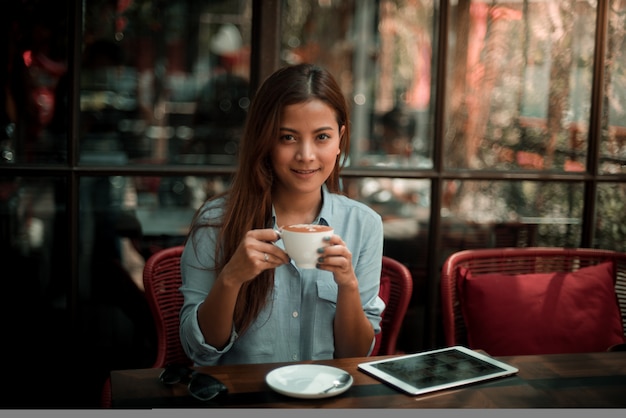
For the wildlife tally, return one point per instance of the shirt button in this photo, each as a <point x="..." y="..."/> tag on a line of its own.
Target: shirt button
<point x="295" y="314"/>
<point x="294" y="357"/>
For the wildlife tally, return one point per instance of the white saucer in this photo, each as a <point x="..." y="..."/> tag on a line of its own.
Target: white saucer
<point x="306" y="381"/>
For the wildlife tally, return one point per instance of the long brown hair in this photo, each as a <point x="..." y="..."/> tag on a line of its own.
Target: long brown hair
<point x="249" y="199"/>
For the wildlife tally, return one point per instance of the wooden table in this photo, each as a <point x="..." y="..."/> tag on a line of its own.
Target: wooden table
<point x="596" y="380"/>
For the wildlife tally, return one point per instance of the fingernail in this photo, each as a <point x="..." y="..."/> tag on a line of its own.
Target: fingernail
<point x="326" y="238"/>
<point x="321" y="259"/>
<point x="320" y="250"/>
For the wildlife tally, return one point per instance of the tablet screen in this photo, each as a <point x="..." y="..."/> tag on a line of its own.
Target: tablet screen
<point x="437" y="369"/>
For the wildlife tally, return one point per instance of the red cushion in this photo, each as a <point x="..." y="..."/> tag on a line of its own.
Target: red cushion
<point x="541" y="313"/>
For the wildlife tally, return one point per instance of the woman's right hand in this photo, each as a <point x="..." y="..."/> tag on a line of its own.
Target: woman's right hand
<point x="255" y="253"/>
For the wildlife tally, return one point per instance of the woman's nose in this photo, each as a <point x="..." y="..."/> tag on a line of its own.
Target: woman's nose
<point x="305" y="151"/>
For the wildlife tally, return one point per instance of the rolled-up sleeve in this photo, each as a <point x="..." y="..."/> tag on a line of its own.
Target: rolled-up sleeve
<point x="198" y="276"/>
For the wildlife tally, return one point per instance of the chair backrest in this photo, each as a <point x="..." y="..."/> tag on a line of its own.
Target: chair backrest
<point x="518" y="261"/>
<point x="162" y="280"/>
<point x="396" y="288"/>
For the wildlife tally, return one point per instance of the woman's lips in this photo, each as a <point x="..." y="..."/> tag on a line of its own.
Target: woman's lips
<point x="304" y="173"/>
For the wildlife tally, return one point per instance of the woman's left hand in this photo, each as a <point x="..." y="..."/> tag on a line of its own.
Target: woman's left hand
<point x="337" y="259"/>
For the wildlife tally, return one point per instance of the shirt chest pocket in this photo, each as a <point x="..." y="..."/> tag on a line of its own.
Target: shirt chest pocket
<point x="327" y="292"/>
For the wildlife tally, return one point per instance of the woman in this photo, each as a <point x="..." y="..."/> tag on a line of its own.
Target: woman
<point x="245" y="302"/>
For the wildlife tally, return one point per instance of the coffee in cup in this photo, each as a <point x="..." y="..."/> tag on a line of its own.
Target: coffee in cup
<point x="302" y="241"/>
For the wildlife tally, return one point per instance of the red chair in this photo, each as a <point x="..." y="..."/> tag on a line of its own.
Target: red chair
<point x="535" y="263"/>
<point x="161" y="279"/>
<point x="396" y="288"/>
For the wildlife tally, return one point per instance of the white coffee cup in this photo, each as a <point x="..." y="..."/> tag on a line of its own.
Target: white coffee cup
<point x="302" y="242"/>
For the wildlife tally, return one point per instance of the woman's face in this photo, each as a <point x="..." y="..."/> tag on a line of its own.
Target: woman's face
<point x="305" y="153"/>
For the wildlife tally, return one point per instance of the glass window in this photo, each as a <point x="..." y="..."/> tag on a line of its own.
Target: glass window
<point x="164" y="82"/>
<point x="34" y="50"/>
<point x="613" y="147"/>
<point x="139" y="214"/>
<point x="393" y="198"/>
<point x="519" y="85"/>
<point x="611" y="218"/>
<point x="34" y="229"/>
<point x="404" y="205"/>
<point x="381" y="54"/>
<point x="510" y="214"/>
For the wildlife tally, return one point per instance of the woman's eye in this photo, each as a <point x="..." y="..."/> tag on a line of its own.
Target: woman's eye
<point x="323" y="136"/>
<point x="287" y="138"/>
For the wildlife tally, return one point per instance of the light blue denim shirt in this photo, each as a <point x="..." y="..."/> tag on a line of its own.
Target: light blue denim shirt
<point x="297" y="324"/>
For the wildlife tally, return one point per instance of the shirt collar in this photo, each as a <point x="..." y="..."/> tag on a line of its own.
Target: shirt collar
<point x="324" y="215"/>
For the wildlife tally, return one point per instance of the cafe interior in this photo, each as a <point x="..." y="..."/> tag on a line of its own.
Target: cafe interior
<point x="476" y="124"/>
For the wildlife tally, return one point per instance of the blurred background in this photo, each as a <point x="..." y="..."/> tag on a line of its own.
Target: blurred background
<point x="475" y="124"/>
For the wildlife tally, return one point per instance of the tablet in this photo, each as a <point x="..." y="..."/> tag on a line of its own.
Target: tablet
<point x="439" y="369"/>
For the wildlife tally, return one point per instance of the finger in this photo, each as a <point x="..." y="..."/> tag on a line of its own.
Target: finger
<point x="339" y="266"/>
<point x="265" y="235"/>
<point x="275" y="254"/>
<point x="334" y="240"/>
<point x="334" y="250"/>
